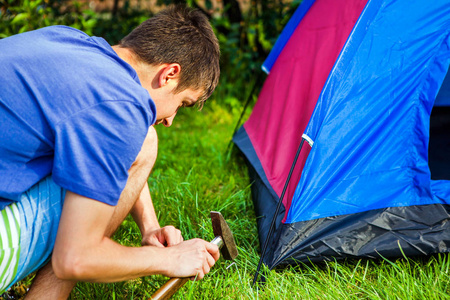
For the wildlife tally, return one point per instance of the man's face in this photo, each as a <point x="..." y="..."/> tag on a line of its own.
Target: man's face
<point x="167" y="104"/>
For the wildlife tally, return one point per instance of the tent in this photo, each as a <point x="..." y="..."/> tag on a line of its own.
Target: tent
<point x="344" y="114"/>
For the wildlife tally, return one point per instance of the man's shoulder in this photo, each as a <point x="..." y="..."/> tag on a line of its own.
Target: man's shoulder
<point x="49" y="32"/>
<point x="59" y="29"/>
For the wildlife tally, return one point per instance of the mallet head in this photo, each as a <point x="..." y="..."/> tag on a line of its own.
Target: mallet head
<point x="220" y="228"/>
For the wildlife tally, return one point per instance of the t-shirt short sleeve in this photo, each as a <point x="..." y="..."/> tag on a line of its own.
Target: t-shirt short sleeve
<point x="95" y="148"/>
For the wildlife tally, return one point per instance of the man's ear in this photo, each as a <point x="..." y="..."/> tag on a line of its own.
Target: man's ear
<point x="170" y="72"/>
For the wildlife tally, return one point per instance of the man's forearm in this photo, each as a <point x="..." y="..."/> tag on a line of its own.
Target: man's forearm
<point x="143" y="212"/>
<point x="145" y="217"/>
<point x="109" y="261"/>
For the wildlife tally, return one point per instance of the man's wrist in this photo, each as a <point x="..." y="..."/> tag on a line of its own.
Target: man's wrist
<point x="161" y="259"/>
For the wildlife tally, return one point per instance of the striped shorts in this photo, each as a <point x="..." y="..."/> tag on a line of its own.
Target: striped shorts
<point x="9" y="244"/>
<point x="28" y="231"/>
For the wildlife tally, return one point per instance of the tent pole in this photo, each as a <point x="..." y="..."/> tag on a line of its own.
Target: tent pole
<point x="272" y="225"/>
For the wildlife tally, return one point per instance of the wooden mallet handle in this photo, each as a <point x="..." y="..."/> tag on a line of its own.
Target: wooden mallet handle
<point x="169" y="288"/>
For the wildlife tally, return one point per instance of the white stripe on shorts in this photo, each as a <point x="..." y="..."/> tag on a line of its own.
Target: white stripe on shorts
<point x="9" y="244"/>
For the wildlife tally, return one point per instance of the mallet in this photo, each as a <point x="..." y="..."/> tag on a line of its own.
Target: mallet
<point x="223" y="239"/>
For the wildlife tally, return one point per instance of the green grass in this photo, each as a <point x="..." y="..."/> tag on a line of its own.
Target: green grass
<point x="194" y="174"/>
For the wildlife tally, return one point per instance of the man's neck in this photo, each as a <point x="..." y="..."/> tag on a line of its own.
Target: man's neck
<point x="127" y="55"/>
<point x="147" y="73"/>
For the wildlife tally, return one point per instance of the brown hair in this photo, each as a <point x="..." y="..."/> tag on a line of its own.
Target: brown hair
<point x="182" y="35"/>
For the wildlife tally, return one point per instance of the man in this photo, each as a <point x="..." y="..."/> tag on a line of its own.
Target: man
<point x="78" y="144"/>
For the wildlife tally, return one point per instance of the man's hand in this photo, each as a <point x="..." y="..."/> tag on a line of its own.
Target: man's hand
<point x="193" y="258"/>
<point x="162" y="237"/>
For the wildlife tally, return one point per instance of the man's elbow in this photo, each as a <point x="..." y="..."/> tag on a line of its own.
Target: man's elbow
<point x="69" y="266"/>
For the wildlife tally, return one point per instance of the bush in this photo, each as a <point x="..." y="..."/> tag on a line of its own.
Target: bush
<point x="245" y="36"/>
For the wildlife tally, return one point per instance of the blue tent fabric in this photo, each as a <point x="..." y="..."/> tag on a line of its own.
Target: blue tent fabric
<point x="370" y="126"/>
<point x="366" y="189"/>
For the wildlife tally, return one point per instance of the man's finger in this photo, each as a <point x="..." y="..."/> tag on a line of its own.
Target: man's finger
<point x="153" y="241"/>
<point x="157" y="243"/>
<point x="172" y="235"/>
<point x="210" y="260"/>
<point x="213" y="250"/>
<point x="206" y="267"/>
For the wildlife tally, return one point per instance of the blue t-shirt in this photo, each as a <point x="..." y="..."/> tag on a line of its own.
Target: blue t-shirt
<point x="70" y="107"/>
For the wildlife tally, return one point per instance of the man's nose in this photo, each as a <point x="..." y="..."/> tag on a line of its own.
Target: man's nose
<point x="167" y="122"/>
